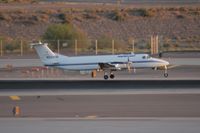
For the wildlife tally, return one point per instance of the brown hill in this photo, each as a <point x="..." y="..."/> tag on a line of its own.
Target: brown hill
<point x="29" y="21"/>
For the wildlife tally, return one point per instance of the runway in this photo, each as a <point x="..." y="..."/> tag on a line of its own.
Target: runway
<point x="191" y="72"/>
<point x="101" y="106"/>
<point x="132" y="125"/>
<point x="144" y="102"/>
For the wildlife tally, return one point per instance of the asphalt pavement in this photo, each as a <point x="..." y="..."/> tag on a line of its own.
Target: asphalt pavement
<point x="124" y="105"/>
<point x="119" y="125"/>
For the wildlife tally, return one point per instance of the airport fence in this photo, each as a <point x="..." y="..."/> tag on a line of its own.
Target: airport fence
<point x="95" y="47"/>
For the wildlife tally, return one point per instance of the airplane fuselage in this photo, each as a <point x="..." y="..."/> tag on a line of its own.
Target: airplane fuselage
<point x="92" y="62"/>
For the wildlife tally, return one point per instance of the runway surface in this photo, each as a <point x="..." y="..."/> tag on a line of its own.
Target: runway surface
<point x="162" y="107"/>
<point x="191" y="72"/>
<point x="100" y="106"/>
<point x="132" y="125"/>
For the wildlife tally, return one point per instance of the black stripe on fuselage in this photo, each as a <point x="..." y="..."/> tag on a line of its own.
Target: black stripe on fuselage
<point x="113" y="63"/>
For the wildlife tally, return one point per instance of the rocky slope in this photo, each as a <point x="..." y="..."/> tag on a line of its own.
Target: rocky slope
<point x="29" y="22"/>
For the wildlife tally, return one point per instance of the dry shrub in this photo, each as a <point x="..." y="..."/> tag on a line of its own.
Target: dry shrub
<point x="5" y="17"/>
<point x="172" y="9"/>
<point x="183" y="9"/>
<point x="6" y="1"/>
<point x="48" y="11"/>
<point x="195" y="13"/>
<point x="43" y="18"/>
<point x="66" y="18"/>
<point x="143" y="12"/>
<point x="62" y="16"/>
<point x="78" y="18"/>
<point x="99" y="10"/>
<point x="21" y="11"/>
<point x="19" y="1"/>
<point x="28" y="19"/>
<point x="180" y="16"/>
<point x="91" y="16"/>
<point x="154" y="10"/>
<point x="120" y="15"/>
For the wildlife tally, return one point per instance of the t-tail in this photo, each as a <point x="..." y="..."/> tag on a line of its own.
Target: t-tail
<point x="47" y="56"/>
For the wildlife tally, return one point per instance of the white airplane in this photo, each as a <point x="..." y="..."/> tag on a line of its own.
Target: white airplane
<point x="107" y="63"/>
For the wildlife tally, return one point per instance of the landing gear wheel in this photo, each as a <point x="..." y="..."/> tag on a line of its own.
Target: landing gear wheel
<point x="165" y="75"/>
<point x="112" y="76"/>
<point x="105" y="76"/>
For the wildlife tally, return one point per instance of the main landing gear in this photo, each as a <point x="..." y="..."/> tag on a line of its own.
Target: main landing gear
<point x="112" y="76"/>
<point x="165" y="73"/>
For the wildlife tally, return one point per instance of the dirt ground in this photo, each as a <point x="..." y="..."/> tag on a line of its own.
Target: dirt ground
<point x="30" y="21"/>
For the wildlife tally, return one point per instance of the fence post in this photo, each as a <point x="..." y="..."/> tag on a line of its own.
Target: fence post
<point x="75" y="47"/>
<point x="96" y="46"/>
<point x="58" y="46"/>
<point x="1" y="48"/>
<point x="161" y="43"/>
<point x="133" y="46"/>
<point x="113" y="47"/>
<point x="154" y="44"/>
<point x="118" y="4"/>
<point x="21" y="48"/>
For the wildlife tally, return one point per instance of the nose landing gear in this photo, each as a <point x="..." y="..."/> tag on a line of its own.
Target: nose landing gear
<point x="165" y="75"/>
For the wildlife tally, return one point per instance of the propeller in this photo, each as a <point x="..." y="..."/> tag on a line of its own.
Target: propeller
<point x="129" y="65"/>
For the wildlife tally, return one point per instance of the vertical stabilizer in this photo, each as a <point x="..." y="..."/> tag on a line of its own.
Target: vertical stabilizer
<point x="46" y="55"/>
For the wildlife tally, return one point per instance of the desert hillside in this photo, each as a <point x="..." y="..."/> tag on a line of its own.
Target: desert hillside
<point x="29" y="21"/>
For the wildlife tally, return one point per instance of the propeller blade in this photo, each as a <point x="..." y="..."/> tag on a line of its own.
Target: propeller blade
<point x="129" y="64"/>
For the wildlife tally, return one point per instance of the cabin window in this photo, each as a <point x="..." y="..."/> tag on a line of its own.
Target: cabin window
<point x="146" y="57"/>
